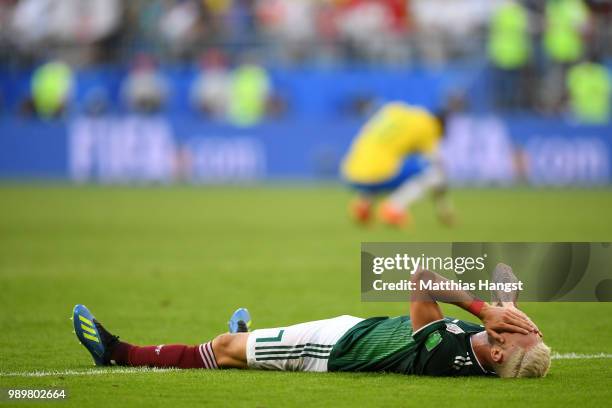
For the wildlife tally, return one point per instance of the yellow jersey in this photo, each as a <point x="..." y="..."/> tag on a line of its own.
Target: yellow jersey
<point x="395" y="132"/>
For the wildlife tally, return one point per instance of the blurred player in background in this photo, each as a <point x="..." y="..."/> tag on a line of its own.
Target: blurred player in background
<point x="397" y="154"/>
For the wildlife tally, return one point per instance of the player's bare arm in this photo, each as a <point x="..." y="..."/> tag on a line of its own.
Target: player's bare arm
<point x="424" y="308"/>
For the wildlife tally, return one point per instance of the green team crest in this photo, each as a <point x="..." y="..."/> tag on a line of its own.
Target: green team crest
<point x="433" y="340"/>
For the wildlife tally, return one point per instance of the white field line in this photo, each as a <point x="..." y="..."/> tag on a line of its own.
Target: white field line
<point x="577" y="356"/>
<point x="104" y="371"/>
<point x="95" y="371"/>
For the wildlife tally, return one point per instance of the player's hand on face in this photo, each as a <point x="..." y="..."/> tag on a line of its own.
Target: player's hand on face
<point x="513" y="306"/>
<point x="502" y="319"/>
<point x="517" y="310"/>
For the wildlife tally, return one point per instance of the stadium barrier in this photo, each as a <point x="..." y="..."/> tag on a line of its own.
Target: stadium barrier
<point x="139" y="149"/>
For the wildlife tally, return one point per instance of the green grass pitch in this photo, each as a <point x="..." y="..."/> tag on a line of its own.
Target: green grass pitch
<point x="162" y="265"/>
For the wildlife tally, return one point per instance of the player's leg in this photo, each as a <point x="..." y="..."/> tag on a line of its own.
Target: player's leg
<point x="218" y="353"/>
<point x="416" y="187"/>
<point x="230" y="350"/>
<point x="301" y="347"/>
<point x="360" y="208"/>
<point x="420" y="177"/>
<point x="225" y="351"/>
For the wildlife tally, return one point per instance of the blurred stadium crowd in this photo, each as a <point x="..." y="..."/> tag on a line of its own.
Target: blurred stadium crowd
<point x="537" y="55"/>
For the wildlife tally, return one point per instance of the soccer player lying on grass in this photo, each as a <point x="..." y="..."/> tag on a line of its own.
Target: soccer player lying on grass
<point x="426" y="343"/>
<point x="396" y="154"/>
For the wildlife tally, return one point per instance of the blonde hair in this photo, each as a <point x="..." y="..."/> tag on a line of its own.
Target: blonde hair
<point x="533" y="362"/>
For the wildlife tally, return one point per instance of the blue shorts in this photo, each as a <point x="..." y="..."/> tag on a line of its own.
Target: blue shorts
<point x="413" y="166"/>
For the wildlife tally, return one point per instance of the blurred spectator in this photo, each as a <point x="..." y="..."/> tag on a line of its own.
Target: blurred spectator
<point x="565" y="20"/>
<point x="215" y="16"/>
<point x="145" y="90"/>
<point x="292" y="24"/>
<point x="590" y="90"/>
<point x="363" y="105"/>
<point x="601" y="21"/>
<point x="33" y="20"/>
<point x="218" y="6"/>
<point x="544" y="35"/>
<point x="249" y="95"/>
<point x="6" y="16"/>
<point x="371" y="29"/>
<point x="509" y="51"/>
<point x="180" y="26"/>
<point x="51" y="89"/>
<point x="450" y="28"/>
<point x="509" y="42"/>
<point x="145" y="17"/>
<point x="242" y="22"/>
<point x="210" y="92"/>
<point x="37" y="23"/>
